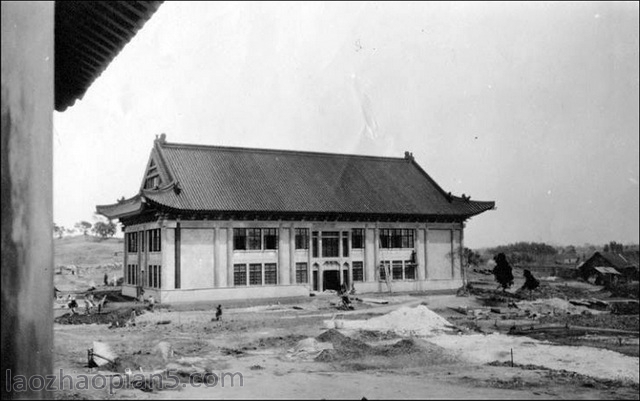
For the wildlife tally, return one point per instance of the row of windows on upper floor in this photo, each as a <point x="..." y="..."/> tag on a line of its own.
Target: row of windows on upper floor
<point x="326" y="241"/>
<point x="137" y="240"/>
<point x="267" y="239"/>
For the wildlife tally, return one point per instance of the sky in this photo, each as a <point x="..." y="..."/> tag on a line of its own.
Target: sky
<point x="532" y="105"/>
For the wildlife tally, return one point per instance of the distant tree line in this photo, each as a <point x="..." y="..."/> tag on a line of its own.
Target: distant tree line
<point x="100" y="228"/>
<point x="613" y="247"/>
<point x="525" y="252"/>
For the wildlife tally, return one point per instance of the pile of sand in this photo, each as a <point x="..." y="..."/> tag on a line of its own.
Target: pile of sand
<point x="418" y="321"/>
<point x="308" y="349"/>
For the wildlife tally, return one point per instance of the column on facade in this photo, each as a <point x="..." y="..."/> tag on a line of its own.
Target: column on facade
<point x="420" y="254"/>
<point x="376" y="252"/>
<point x="228" y="233"/>
<point x="320" y="278"/>
<point x="340" y="255"/>
<point x="369" y="255"/>
<point x="218" y="280"/>
<point x="292" y="255"/>
<point x="283" y="256"/>
<point x="426" y="253"/>
<point x="350" y="244"/>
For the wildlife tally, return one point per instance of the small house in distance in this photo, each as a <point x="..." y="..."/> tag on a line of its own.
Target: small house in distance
<point x="212" y="223"/>
<point x="608" y="268"/>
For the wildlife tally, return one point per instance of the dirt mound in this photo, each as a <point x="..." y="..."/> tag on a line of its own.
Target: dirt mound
<point x="116" y="318"/>
<point x="343" y="347"/>
<point x="279" y="341"/>
<point x="340" y="341"/>
<point x="372" y="335"/>
<point x="406" y="346"/>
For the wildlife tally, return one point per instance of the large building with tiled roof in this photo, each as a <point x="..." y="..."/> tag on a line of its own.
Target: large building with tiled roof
<point x="212" y="223"/>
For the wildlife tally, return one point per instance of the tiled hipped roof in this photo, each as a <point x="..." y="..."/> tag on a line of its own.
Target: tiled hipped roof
<point x="214" y="178"/>
<point x="88" y="36"/>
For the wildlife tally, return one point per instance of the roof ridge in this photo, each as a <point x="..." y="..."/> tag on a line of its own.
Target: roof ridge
<point x="279" y="151"/>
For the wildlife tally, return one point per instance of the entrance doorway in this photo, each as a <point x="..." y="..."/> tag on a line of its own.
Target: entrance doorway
<point x="331" y="280"/>
<point x="315" y="280"/>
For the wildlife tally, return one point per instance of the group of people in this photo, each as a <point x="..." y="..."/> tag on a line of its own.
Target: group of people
<point x="89" y="303"/>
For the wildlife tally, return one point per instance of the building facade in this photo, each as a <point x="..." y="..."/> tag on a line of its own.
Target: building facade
<point x="213" y="223"/>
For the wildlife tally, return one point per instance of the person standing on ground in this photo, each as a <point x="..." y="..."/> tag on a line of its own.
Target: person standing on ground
<point x="73" y="305"/>
<point x="219" y="312"/>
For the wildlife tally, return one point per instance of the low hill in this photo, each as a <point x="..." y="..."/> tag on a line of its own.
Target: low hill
<point x="87" y="250"/>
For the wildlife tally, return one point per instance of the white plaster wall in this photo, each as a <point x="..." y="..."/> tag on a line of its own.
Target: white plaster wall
<point x="439" y="255"/>
<point x="168" y="258"/>
<point x="196" y="258"/>
<point x="457" y="252"/>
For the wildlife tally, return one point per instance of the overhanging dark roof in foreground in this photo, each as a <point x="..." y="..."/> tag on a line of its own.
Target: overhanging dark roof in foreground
<point x="88" y="36"/>
<point x="210" y="179"/>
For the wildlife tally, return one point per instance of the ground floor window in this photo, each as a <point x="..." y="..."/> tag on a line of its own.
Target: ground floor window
<point x="384" y="268"/>
<point x="255" y="274"/>
<point x="358" y="271"/>
<point x="396" y="269"/>
<point x="239" y="274"/>
<point x="270" y="273"/>
<point x="409" y="270"/>
<point x="132" y="274"/>
<point x="154" y="276"/>
<point x="302" y="274"/>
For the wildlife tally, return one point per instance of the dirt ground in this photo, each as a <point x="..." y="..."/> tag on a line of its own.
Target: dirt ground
<point x="287" y="349"/>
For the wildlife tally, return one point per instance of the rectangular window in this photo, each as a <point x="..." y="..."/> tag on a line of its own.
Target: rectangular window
<point x="396" y="238"/>
<point x="330" y="244"/>
<point x="383" y="270"/>
<point x="396" y="270"/>
<point x="358" y="271"/>
<point x="255" y="274"/>
<point x="314" y="244"/>
<point x="407" y="238"/>
<point x="159" y="276"/>
<point x="345" y="244"/>
<point x="302" y="238"/>
<point x="149" y="276"/>
<point x="270" y="273"/>
<point x="270" y="238"/>
<point x="142" y="241"/>
<point x="239" y="274"/>
<point x="132" y="242"/>
<point x="302" y="275"/>
<point x="153" y="237"/>
<point x="254" y="239"/>
<point x="409" y="270"/>
<point x="357" y="238"/>
<point x="239" y="239"/>
<point x="131" y="274"/>
<point x="155" y="276"/>
<point x="385" y="238"/>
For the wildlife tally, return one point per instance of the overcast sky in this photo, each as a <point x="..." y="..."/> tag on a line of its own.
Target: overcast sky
<point x="532" y="105"/>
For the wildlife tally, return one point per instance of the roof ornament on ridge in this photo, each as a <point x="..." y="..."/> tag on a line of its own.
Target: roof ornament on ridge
<point x="162" y="138"/>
